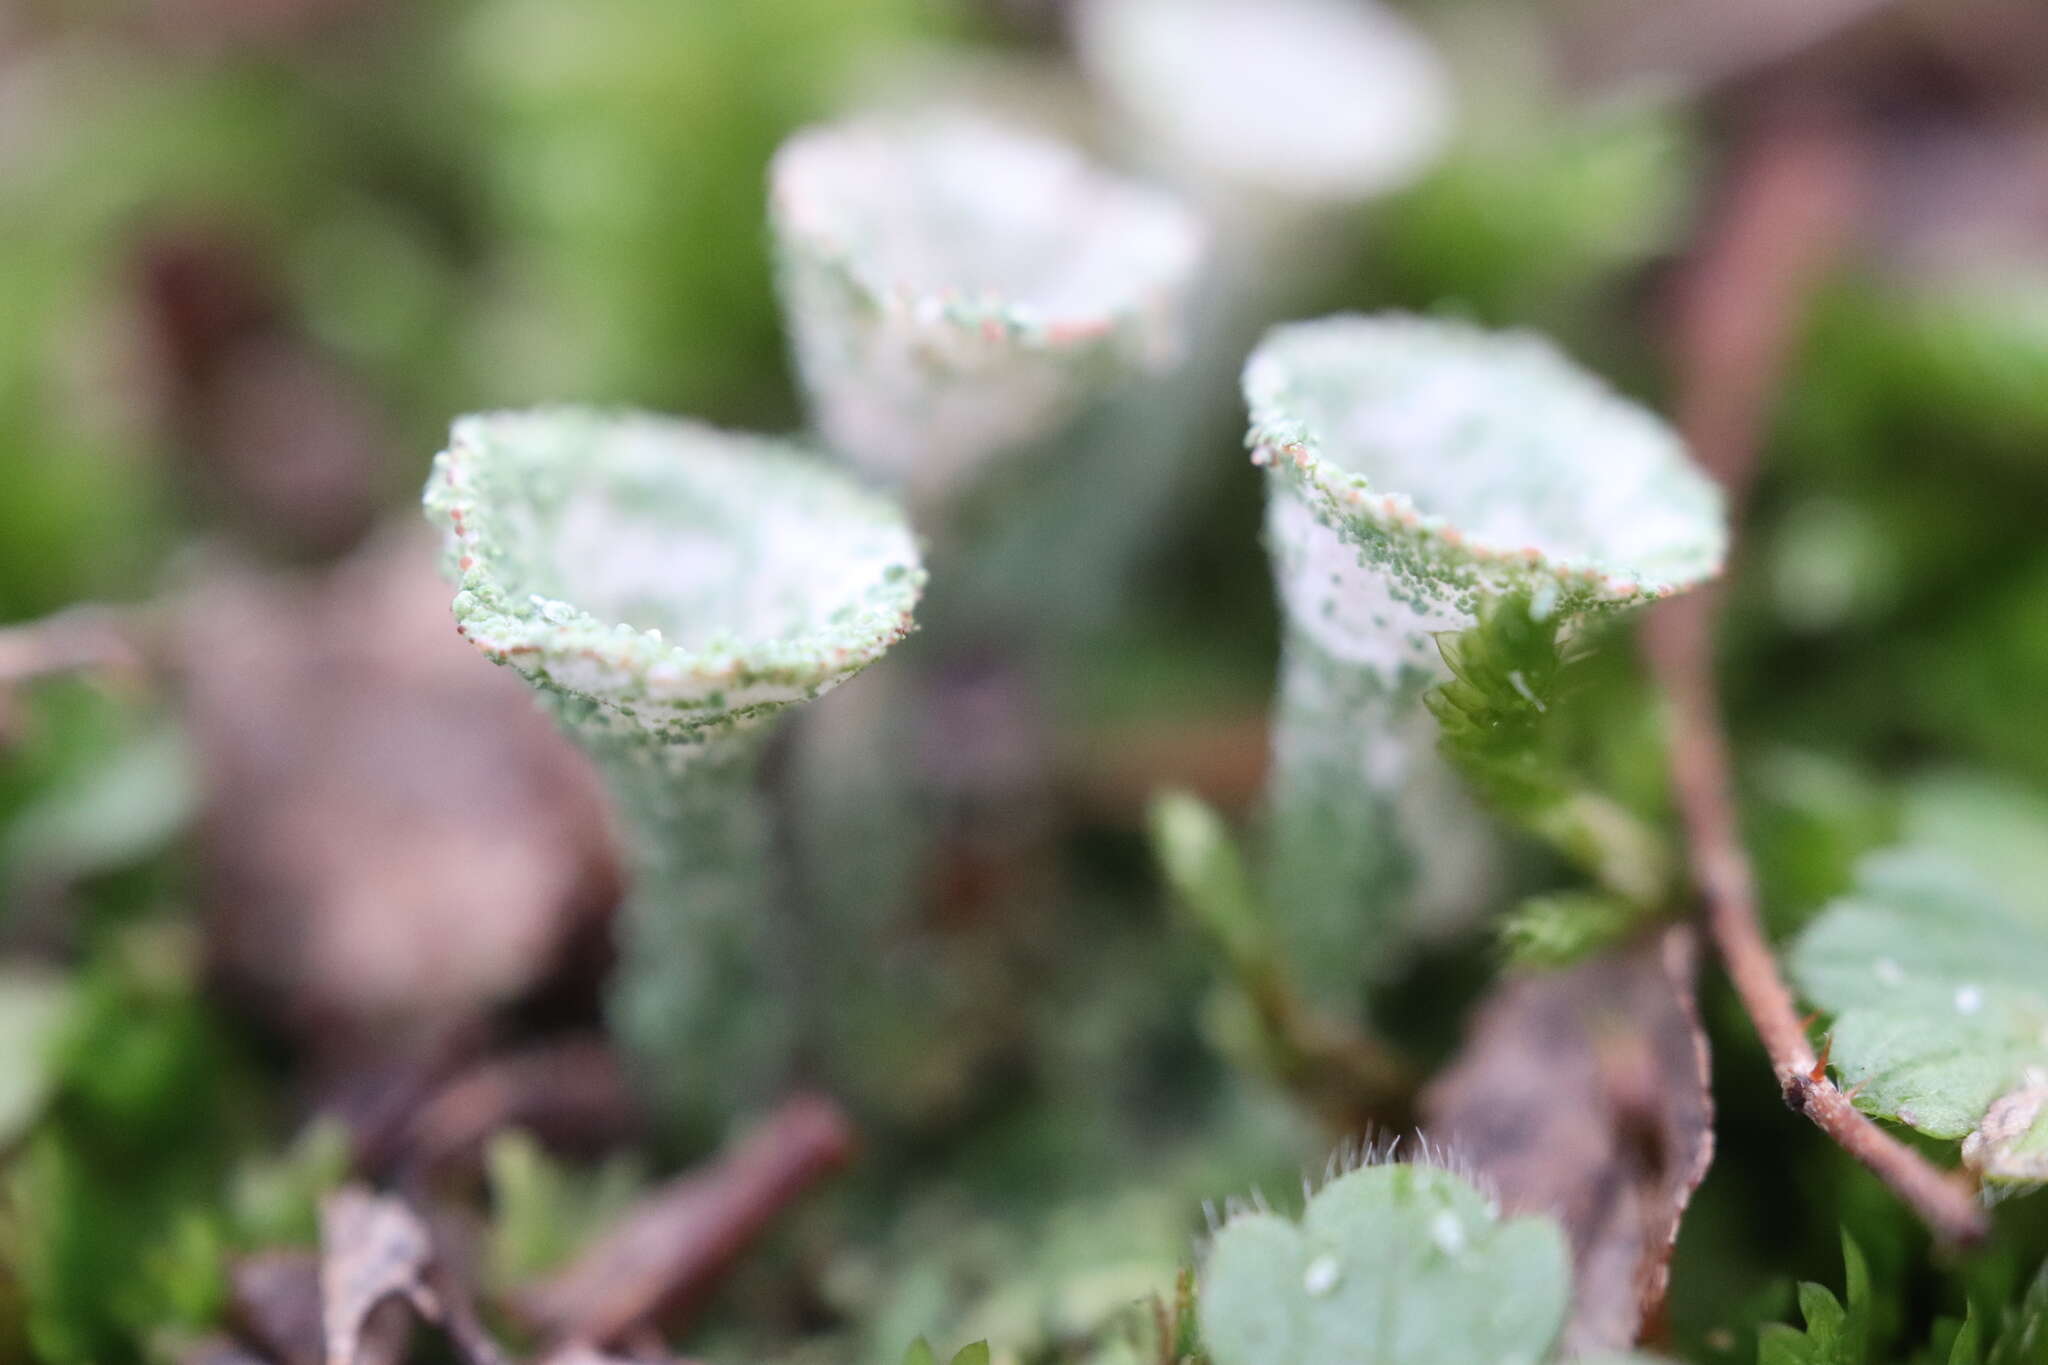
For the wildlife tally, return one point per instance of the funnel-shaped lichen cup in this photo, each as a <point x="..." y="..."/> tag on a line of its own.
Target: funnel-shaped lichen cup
<point x="956" y="290"/>
<point x="1416" y="469"/>
<point x="669" y="589"/>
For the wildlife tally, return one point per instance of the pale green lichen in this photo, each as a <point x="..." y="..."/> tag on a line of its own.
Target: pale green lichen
<point x="663" y="579"/>
<point x="1301" y="100"/>
<point x="956" y="289"/>
<point x="1418" y="469"/>
<point x="668" y="588"/>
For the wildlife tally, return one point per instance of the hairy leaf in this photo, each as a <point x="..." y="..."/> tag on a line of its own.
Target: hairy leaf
<point x="1507" y="674"/>
<point x="1389" y="1265"/>
<point x="1939" y="988"/>
<point x="1566" y="927"/>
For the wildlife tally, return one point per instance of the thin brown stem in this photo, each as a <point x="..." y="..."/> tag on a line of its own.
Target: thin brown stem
<point x="1679" y="642"/>
<point x="667" y="1252"/>
<point x="1791" y="200"/>
<point x="85" y="637"/>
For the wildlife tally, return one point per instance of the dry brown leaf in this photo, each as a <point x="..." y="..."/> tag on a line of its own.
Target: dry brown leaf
<point x="284" y="446"/>
<point x="274" y="1303"/>
<point x="217" y="1349"/>
<point x="582" y="1353"/>
<point x="373" y="1249"/>
<point x="1662" y="43"/>
<point x="672" y="1246"/>
<point x="1583" y="1093"/>
<point x="2005" y="1145"/>
<point x="396" y="840"/>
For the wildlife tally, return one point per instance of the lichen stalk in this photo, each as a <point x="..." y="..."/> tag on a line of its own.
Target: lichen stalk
<point x="699" y="994"/>
<point x="1416" y="469"/>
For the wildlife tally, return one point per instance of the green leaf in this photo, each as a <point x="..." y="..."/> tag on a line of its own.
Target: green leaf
<point x="1557" y="930"/>
<point x="1839" y="1335"/>
<point x="1827" y="1322"/>
<point x="274" y="1200"/>
<point x="1966" y="1350"/>
<point x="1207" y="875"/>
<point x="544" y="1211"/>
<point x="1939" y="988"/>
<point x="33" y="1005"/>
<point x="106" y="817"/>
<point x="2024" y="1338"/>
<point x="1389" y="1265"/>
<point x="1997" y="826"/>
<point x="920" y="1353"/>
<point x="1856" y="1272"/>
<point x="1508" y="674"/>
<point x="1835" y="1334"/>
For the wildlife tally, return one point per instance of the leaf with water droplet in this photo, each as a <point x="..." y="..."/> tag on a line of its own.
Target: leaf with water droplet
<point x="1388" y="1265"/>
<point x="1938" y="984"/>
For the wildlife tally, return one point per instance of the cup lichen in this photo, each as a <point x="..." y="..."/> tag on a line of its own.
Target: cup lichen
<point x="1282" y="102"/>
<point x="957" y="290"/>
<point x="669" y="588"/>
<point x="1417" y="469"/>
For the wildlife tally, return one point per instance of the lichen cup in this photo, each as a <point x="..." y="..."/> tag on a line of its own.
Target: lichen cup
<point x="957" y="290"/>
<point x="1280" y="121"/>
<point x="1415" y="469"/>
<point x="1264" y="110"/>
<point x="669" y="589"/>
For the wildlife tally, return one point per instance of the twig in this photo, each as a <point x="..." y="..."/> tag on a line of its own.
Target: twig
<point x="569" y="1091"/>
<point x="1679" y="642"/>
<point x="85" y="637"/>
<point x="664" y="1255"/>
<point x="1355" y="1081"/>
<point x="1789" y="201"/>
<point x="1790" y="204"/>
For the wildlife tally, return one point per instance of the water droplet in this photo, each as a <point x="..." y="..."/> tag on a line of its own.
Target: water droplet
<point x="1969" y="1000"/>
<point x="1890" y="972"/>
<point x="1322" y="1275"/>
<point x="1521" y="686"/>
<point x="1448" y="1233"/>
<point x="556" y="613"/>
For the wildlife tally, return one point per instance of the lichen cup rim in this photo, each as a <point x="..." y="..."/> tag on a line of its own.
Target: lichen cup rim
<point x="1429" y="551"/>
<point x="722" y="680"/>
<point x="1182" y="236"/>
